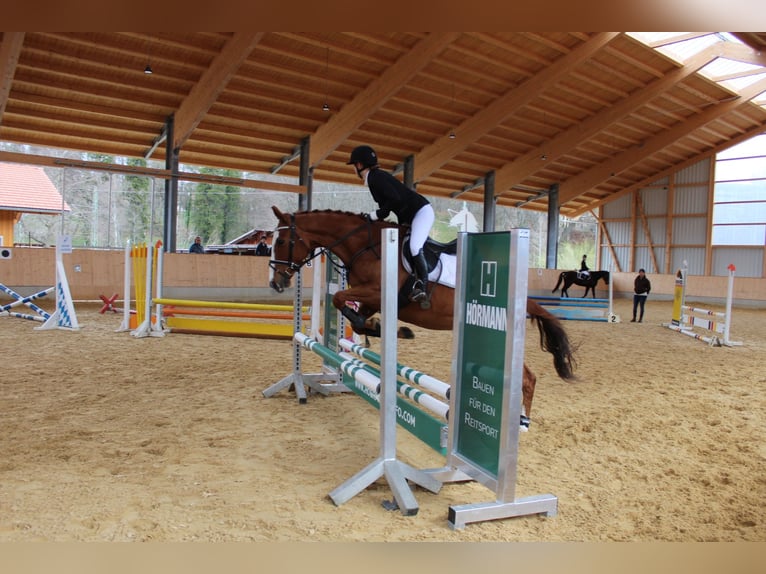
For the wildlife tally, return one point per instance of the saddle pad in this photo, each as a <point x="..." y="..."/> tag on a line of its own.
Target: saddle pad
<point x="444" y="273"/>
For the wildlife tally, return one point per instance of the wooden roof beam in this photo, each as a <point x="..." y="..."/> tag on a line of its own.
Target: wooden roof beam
<point x="443" y="149"/>
<point x="671" y="170"/>
<point x="591" y="178"/>
<point x="212" y="82"/>
<point x="47" y="161"/>
<point x="518" y="170"/>
<point x="10" y="49"/>
<point x="330" y="135"/>
<point x="756" y="45"/>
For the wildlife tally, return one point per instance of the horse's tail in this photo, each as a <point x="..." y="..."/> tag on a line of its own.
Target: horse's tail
<point x="556" y="288"/>
<point x="553" y="339"/>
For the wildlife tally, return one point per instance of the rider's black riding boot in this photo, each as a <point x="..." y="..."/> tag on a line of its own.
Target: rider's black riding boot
<point x="420" y="267"/>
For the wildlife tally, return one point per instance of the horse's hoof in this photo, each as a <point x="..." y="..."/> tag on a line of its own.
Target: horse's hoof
<point x="524" y="423"/>
<point x="406" y="333"/>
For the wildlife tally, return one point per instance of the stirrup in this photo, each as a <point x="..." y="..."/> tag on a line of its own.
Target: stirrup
<point x="418" y="292"/>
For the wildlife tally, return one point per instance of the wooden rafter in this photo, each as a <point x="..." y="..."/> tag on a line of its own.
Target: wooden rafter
<point x="517" y="171"/>
<point x="581" y="183"/>
<point x="669" y="171"/>
<point x="10" y="48"/>
<point x="330" y="135"/>
<point x="437" y="154"/>
<point x="206" y="91"/>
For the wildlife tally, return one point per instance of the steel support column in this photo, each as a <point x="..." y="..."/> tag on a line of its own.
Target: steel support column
<point x="306" y="176"/>
<point x="489" y="202"/>
<point x="551" y="249"/>
<point x="409" y="172"/>
<point x="171" y="189"/>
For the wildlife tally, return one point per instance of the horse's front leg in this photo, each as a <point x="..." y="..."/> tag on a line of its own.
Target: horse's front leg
<point x="369" y="304"/>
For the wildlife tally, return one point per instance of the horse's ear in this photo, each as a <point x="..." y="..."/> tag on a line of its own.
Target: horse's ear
<point x="279" y="214"/>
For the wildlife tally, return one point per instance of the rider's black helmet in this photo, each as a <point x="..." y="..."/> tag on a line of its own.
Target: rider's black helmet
<point x="363" y="154"/>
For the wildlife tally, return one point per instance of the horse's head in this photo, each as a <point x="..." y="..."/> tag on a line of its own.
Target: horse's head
<point x="289" y="252"/>
<point x="606" y="277"/>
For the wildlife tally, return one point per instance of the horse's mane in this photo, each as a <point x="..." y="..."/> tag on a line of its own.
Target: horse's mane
<point x="361" y="216"/>
<point x="331" y="212"/>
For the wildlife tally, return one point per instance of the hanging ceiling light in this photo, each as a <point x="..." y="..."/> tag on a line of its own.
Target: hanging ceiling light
<point x="452" y="135"/>
<point x="148" y="69"/>
<point x="326" y="106"/>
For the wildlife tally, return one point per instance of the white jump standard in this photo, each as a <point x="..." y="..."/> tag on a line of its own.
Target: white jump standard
<point x="63" y="316"/>
<point x="396" y="472"/>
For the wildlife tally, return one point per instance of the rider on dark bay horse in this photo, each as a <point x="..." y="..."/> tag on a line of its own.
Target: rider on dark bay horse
<point x="584" y="269"/>
<point x="410" y="208"/>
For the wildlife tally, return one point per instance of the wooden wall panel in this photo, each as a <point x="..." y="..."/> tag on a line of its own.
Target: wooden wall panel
<point x="246" y="277"/>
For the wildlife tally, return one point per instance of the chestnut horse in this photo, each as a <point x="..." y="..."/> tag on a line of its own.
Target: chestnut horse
<point x="355" y="240"/>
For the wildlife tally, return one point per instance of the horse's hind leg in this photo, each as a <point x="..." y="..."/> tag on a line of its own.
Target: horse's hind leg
<point x="528" y="382"/>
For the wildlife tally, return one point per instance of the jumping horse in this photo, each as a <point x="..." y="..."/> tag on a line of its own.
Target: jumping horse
<point x="355" y="240"/>
<point x="573" y="277"/>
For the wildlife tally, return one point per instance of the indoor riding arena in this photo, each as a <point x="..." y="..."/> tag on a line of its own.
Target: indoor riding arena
<point x="155" y="196"/>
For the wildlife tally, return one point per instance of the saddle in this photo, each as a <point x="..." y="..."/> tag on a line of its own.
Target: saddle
<point x="432" y="249"/>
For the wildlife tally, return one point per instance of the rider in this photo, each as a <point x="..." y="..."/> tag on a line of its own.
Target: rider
<point x="410" y="208"/>
<point x="584" y="271"/>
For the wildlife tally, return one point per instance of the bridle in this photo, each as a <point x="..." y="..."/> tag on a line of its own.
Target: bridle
<point x="291" y="266"/>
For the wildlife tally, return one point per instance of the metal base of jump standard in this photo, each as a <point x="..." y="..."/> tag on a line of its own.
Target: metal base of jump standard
<point x="487" y="369"/>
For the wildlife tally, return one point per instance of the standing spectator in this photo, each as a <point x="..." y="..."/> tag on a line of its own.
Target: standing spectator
<point x="196" y="247"/>
<point x="263" y="247"/>
<point x="641" y="288"/>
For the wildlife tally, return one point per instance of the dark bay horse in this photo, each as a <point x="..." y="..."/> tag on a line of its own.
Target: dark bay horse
<point x="355" y="240"/>
<point x="572" y="277"/>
